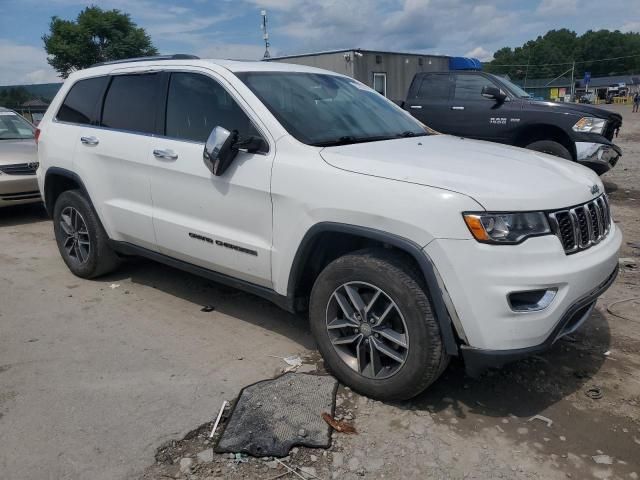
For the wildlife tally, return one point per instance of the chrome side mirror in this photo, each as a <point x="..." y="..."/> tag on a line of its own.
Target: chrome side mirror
<point x="220" y="150"/>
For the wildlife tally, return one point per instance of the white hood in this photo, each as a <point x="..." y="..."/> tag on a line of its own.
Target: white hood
<point x="499" y="177"/>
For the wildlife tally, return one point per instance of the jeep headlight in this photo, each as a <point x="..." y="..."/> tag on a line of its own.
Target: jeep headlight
<point x="506" y="228"/>
<point x="590" y="125"/>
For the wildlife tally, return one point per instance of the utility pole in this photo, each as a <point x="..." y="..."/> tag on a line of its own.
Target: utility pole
<point x="573" y="83"/>
<point x="265" y="34"/>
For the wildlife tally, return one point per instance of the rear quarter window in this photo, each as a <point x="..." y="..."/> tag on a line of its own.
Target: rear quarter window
<point x="80" y="104"/>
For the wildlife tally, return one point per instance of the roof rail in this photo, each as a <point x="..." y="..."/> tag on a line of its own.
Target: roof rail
<point x="177" y="56"/>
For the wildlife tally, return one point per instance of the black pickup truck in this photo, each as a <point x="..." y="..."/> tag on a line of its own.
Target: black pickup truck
<point x="480" y="105"/>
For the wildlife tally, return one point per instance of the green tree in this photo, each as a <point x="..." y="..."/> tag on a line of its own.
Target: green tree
<point x="552" y="55"/>
<point x="95" y="36"/>
<point x="13" y="97"/>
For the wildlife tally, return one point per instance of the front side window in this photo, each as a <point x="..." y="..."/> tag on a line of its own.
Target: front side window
<point x="80" y="104"/>
<point x="130" y="103"/>
<point x="324" y="110"/>
<point x="14" y="127"/>
<point x="469" y="87"/>
<point x="196" y="104"/>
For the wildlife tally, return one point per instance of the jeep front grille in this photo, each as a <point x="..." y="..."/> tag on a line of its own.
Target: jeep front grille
<point x="580" y="227"/>
<point x="19" y="168"/>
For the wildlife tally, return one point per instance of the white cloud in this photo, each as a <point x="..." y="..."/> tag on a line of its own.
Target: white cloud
<point x="557" y="7"/>
<point x="234" y="51"/>
<point x="479" y="53"/>
<point x="630" y="27"/>
<point x="23" y="64"/>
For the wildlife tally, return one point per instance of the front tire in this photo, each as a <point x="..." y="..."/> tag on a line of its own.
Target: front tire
<point x="374" y="325"/>
<point x="81" y="240"/>
<point x="551" y="147"/>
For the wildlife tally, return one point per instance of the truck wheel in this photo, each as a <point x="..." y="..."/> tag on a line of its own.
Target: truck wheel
<point x="374" y="325"/>
<point x="550" y="147"/>
<point x="80" y="237"/>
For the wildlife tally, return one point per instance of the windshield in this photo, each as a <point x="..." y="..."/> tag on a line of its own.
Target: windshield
<point x="326" y="110"/>
<point x="515" y="89"/>
<point x="14" y="127"/>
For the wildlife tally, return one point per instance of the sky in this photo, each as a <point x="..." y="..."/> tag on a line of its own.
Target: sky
<point x="231" y="28"/>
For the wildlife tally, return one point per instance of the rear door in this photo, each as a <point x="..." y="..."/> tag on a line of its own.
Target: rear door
<point x="428" y="100"/>
<point x="112" y="157"/>
<point x="222" y="223"/>
<point x="475" y="116"/>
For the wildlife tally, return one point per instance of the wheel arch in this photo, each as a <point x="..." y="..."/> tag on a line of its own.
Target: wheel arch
<point x="58" y="180"/>
<point x="326" y="241"/>
<point x="544" y="131"/>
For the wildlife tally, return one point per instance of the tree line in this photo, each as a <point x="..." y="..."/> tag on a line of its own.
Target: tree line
<point x="564" y="47"/>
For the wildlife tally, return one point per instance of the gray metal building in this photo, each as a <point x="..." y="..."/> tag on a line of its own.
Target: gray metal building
<point x="389" y="73"/>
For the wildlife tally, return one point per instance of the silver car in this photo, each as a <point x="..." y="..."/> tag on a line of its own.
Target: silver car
<point x="18" y="160"/>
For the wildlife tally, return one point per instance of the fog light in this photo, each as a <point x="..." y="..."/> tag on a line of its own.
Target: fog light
<point x="531" y="300"/>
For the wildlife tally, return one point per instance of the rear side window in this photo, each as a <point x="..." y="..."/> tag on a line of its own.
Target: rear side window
<point x="196" y="104"/>
<point x="435" y="86"/>
<point x="469" y="87"/>
<point x="130" y="103"/>
<point x="80" y="104"/>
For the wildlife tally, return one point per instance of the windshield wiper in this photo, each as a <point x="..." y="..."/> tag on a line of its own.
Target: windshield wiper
<point x="409" y="133"/>
<point x="349" y="139"/>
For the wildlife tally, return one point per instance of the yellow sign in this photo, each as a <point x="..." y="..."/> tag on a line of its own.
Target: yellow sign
<point x="553" y="93"/>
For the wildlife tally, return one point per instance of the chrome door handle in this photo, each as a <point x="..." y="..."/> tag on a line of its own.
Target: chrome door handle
<point x="457" y="108"/>
<point x="165" y="154"/>
<point x="415" y="107"/>
<point x="89" y="140"/>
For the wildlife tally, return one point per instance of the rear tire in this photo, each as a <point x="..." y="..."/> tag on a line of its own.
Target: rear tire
<point x="408" y="351"/>
<point x="550" y="147"/>
<point x="82" y="241"/>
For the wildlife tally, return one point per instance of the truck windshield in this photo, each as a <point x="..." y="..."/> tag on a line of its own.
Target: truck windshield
<point x="327" y="110"/>
<point x="515" y="89"/>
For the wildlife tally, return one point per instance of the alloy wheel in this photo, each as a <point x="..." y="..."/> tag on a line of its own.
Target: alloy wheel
<point x="76" y="240"/>
<point x="367" y="330"/>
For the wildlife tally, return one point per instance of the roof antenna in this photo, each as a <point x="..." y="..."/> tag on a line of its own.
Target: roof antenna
<point x="265" y="34"/>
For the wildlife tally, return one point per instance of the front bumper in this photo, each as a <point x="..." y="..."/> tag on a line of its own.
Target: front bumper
<point x="478" y="279"/>
<point x="18" y="189"/>
<point x="599" y="157"/>
<point x="478" y="360"/>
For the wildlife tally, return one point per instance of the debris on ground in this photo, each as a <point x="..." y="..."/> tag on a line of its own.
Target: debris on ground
<point x="272" y="416"/>
<point x="594" y="393"/>
<point x="294" y="362"/>
<point x="602" y="459"/>
<point x="215" y="424"/>
<point x="628" y="263"/>
<point x="338" y="425"/>
<point x="113" y="286"/>
<point x="207" y="308"/>
<point x="542" y="418"/>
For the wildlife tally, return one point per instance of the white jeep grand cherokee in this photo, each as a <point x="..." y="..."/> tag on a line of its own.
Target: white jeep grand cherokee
<point x="311" y="190"/>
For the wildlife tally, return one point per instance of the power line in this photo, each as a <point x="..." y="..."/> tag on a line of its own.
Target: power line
<point x="563" y="63"/>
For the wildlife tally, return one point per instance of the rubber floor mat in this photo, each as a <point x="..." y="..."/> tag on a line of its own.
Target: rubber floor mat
<point x="272" y="416"/>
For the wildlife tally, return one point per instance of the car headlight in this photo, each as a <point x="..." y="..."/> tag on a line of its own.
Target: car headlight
<point x="590" y="125"/>
<point x="506" y="228"/>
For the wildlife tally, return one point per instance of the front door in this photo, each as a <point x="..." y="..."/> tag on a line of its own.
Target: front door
<point x="222" y="223"/>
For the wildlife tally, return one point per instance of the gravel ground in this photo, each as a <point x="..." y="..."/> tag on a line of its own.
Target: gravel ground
<point x="464" y="428"/>
<point x="107" y="383"/>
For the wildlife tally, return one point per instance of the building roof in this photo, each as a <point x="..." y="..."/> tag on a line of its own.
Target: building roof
<point x="629" y="79"/>
<point x="36" y="102"/>
<point x="361" y="50"/>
